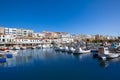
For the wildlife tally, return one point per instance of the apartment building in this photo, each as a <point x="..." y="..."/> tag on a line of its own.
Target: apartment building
<point x="2" y="30"/>
<point x="27" y="33"/>
<point x="38" y="35"/>
<point x="7" y="38"/>
<point x="18" y="32"/>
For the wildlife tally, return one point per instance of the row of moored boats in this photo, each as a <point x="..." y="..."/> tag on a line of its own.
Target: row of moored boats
<point x="72" y="49"/>
<point x="102" y="52"/>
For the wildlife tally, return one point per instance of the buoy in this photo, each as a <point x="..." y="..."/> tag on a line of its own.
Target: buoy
<point x="9" y="55"/>
<point x="2" y="60"/>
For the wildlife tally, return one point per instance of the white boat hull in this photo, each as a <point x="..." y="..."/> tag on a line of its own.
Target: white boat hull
<point x="88" y="51"/>
<point x="112" y="55"/>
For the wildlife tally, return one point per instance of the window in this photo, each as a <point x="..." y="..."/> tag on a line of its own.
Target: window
<point x="3" y="40"/>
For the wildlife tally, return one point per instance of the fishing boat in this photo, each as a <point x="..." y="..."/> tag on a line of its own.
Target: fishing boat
<point x="66" y="49"/>
<point x="16" y="48"/>
<point x="45" y="46"/>
<point x="23" y="48"/>
<point x="3" y="48"/>
<point x="33" y="47"/>
<point x="61" y="48"/>
<point x="10" y="52"/>
<point x="56" y="48"/>
<point x="71" y="50"/>
<point x="10" y="48"/>
<point x="39" y="46"/>
<point x="80" y="50"/>
<point x="104" y="52"/>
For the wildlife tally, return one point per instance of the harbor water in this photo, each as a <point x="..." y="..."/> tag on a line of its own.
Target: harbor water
<point x="47" y="64"/>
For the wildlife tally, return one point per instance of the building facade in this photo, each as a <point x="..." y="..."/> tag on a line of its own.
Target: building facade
<point x="2" y="31"/>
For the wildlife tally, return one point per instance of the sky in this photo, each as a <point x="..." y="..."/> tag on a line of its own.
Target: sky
<point x="72" y="16"/>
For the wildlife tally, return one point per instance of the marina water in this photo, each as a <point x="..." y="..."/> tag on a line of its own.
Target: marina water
<point x="47" y="64"/>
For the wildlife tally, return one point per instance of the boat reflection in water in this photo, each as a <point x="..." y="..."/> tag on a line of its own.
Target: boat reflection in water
<point x="44" y="64"/>
<point x="28" y="56"/>
<point x="80" y="56"/>
<point x="103" y="63"/>
<point x="106" y="63"/>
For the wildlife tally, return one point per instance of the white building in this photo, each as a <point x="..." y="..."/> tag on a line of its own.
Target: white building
<point x="27" y="40"/>
<point x="10" y="31"/>
<point x="38" y="35"/>
<point x="67" y="38"/>
<point x="18" y="32"/>
<point x="7" y="38"/>
<point x="27" y="33"/>
<point x="2" y="30"/>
